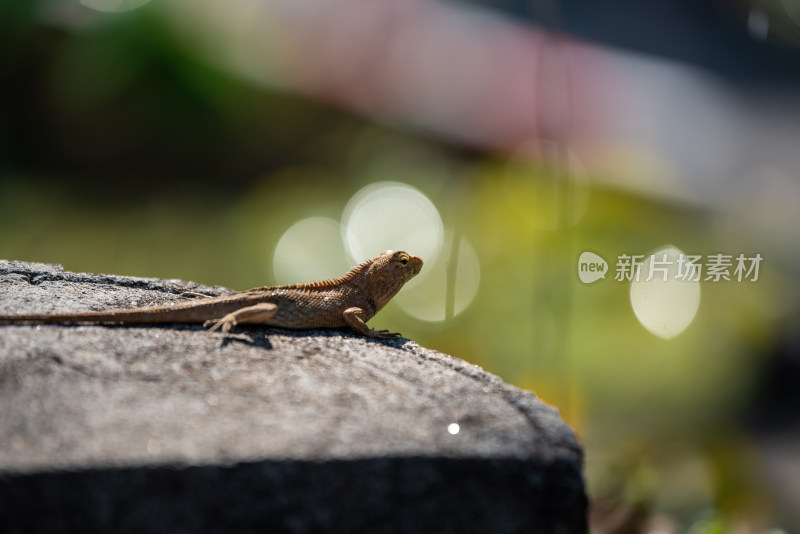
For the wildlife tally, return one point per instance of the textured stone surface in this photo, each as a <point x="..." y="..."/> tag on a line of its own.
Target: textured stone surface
<point x="150" y="428"/>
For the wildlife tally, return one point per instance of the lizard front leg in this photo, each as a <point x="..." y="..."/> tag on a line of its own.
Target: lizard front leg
<point x="255" y="314"/>
<point x="354" y="317"/>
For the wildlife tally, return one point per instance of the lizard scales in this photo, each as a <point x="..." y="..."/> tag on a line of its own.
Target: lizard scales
<point x="348" y="301"/>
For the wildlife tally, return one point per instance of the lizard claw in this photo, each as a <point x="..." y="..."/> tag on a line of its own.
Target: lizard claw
<point x="226" y="323"/>
<point x="385" y="334"/>
<point x="256" y="314"/>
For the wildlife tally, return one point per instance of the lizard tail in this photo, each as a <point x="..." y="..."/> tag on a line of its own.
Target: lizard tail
<point x="110" y="317"/>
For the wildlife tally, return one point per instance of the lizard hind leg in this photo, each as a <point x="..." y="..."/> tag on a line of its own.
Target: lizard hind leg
<point x="255" y="314"/>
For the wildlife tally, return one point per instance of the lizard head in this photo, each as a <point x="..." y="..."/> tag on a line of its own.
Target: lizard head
<point x="388" y="272"/>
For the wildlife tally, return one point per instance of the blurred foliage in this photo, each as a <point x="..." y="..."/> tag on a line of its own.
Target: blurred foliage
<point x="124" y="153"/>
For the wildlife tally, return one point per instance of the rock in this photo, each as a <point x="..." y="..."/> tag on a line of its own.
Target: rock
<point x="171" y="428"/>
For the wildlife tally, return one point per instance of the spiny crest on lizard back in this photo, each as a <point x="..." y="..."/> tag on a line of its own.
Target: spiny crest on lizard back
<point x="385" y="274"/>
<point x="334" y="282"/>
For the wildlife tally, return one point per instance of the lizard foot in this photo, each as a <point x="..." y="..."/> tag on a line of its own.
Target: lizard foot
<point x="225" y="324"/>
<point x="384" y="334"/>
<point x="255" y="314"/>
<point x="354" y="317"/>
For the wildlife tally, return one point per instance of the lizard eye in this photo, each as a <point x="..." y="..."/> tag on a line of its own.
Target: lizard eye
<point x="404" y="261"/>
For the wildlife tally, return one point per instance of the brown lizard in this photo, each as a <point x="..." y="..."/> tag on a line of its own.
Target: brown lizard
<point x="350" y="300"/>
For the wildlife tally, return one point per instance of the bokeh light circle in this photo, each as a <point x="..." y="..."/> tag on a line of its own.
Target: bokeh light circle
<point x="309" y="250"/>
<point x="114" y="6"/>
<point x="664" y="307"/>
<point x="427" y="297"/>
<point x="391" y="216"/>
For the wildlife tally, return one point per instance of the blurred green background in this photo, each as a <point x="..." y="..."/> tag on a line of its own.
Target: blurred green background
<point x="242" y="144"/>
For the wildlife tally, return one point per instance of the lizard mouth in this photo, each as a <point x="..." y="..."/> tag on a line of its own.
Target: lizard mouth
<point x="416" y="264"/>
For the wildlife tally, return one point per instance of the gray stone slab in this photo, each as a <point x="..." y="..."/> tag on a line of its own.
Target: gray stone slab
<point x="147" y="428"/>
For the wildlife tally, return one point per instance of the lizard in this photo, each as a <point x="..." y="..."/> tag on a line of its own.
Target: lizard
<point x="348" y="301"/>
